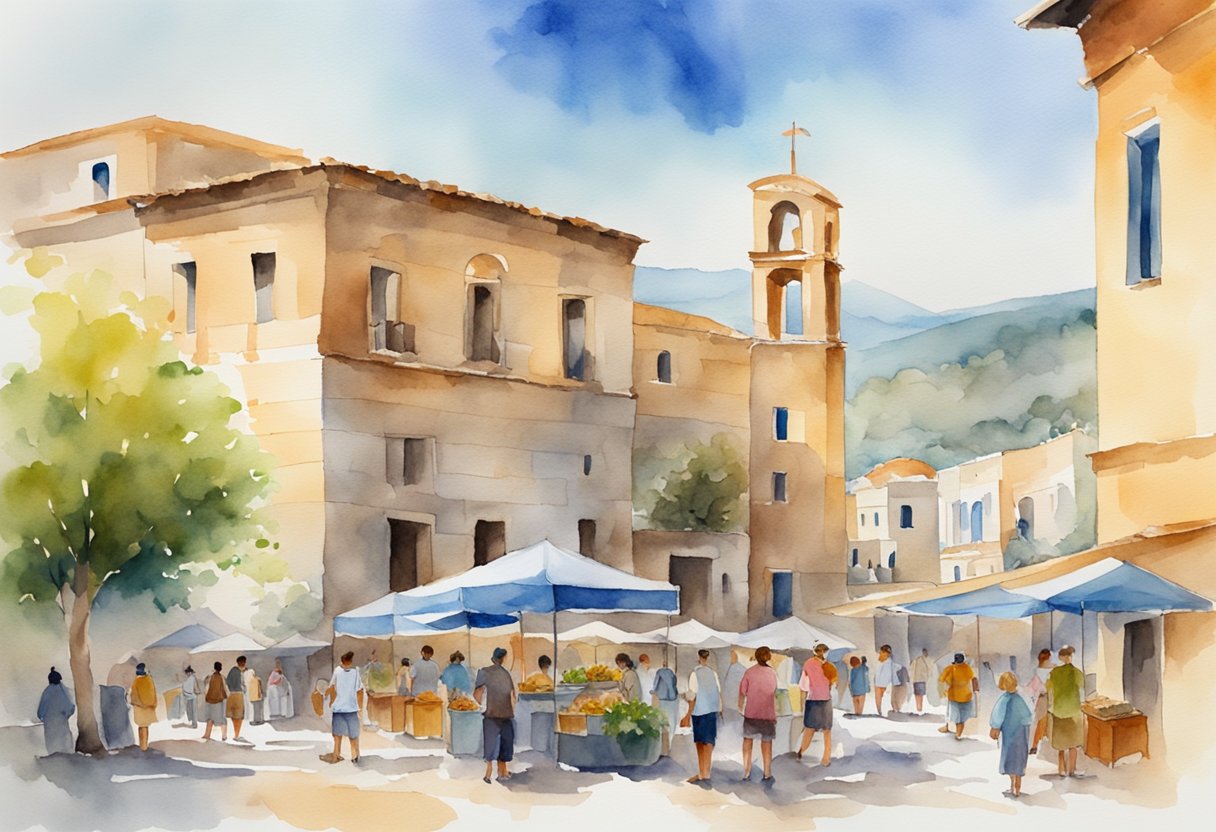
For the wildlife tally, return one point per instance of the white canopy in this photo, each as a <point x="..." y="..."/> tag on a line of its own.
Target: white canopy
<point x="693" y="633"/>
<point x="235" y="643"/>
<point x="597" y="633"/>
<point x="791" y="634"/>
<point x="297" y="645"/>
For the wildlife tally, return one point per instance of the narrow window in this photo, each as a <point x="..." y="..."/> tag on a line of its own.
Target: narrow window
<point x="388" y="332"/>
<point x="827" y="239"/>
<point x="586" y="465"/>
<point x="189" y="275"/>
<point x="783" y="594"/>
<point x="905" y="517"/>
<point x="863" y="519"/>
<point x="1144" y="205"/>
<point x="405" y="540"/>
<point x="263" y="285"/>
<point x="793" y="307"/>
<point x="958" y="573"/>
<point x="1026" y="515"/>
<point x="586" y="538"/>
<point x="101" y="181"/>
<point x="779" y="495"/>
<point x="663" y="371"/>
<point x="489" y="541"/>
<point x="781" y="424"/>
<point x="405" y="460"/>
<point x="963" y="517"/>
<point x="725" y="584"/>
<point x="977" y="521"/>
<point x="891" y="561"/>
<point x="876" y="519"/>
<point x="856" y="557"/>
<point x="484" y="338"/>
<point x="574" y="316"/>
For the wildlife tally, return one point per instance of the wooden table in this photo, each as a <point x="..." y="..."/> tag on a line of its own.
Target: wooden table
<point x="1109" y="739"/>
<point x="387" y="710"/>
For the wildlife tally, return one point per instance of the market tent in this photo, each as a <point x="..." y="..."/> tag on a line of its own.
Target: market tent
<point x="378" y="619"/>
<point x="790" y="634"/>
<point x="693" y="633"/>
<point x="1114" y="586"/>
<point x="235" y="643"/>
<point x="599" y="633"/>
<point x="187" y="638"/>
<point x="989" y="601"/>
<point x="297" y="645"/>
<point x="540" y="578"/>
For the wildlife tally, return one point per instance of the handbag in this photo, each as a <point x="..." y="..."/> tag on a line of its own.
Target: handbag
<point x="902" y="675"/>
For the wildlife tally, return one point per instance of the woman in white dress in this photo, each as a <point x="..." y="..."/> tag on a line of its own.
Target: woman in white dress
<point x="278" y="694"/>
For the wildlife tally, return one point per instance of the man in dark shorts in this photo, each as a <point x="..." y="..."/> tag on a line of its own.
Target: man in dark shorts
<point x="818" y="676"/>
<point x="705" y="709"/>
<point x="495" y="686"/>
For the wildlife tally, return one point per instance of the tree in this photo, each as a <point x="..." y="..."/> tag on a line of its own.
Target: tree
<point x="707" y="493"/>
<point x="127" y="473"/>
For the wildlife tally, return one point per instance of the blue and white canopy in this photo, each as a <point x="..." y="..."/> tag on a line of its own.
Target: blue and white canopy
<point x="537" y="579"/>
<point x="1107" y="585"/>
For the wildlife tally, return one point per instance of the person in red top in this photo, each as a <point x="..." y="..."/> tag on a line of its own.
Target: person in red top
<point x="758" y="703"/>
<point x="818" y="676"/>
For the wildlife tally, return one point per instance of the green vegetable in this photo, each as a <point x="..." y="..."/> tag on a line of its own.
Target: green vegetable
<point x="575" y="676"/>
<point x="625" y="720"/>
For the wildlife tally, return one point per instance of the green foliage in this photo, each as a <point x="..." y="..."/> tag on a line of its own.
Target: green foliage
<point x="295" y="611"/>
<point x="1029" y="383"/>
<point x="637" y="718"/>
<point x="123" y="458"/>
<point x="696" y="487"/>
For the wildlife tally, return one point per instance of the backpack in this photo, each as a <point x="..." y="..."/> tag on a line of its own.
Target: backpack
<point x="215" y="689"/>
<point x="901" y="676"/>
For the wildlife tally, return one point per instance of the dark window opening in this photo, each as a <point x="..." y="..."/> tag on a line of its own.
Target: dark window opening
<point x="781" y="423"/>
<point x="876" y="518"/>
<point x="779" y="495"/>
<point x="725" y="584"/>
<point x="958" y="573"/>
<point x="891" y="561"/>
<point x="692" y="576"/>
<point x="783" y="594"/>
<point x="189" y="275"/>
<point x="489" y="541"/>
<point x="406" y="460"/>
<point x="388" y="333"/>
<point x="856" y="557"/>
<point x="406" y="539"/>
<point x="101" y="181"/>
<point x="905" y="517"/>
<point x="586" y="538"/>
<point x="586" y="465"/>
<point x="574" y="316"/>
<point x="1144" y="205"/>
<point x="663" y="371"/>
<point x="484" y="339"/>
<point x="263" y="285"/>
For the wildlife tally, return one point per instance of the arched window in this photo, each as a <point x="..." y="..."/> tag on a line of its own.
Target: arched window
<point x="891" y="561"/>
<point x="958" y="573"/>
<point x="905" y="517"/>
<point x="1026" y="515"/>
<point x="663" y="371"/>
<point x="876" y="518"/>
<point x="574" y="338"/>
<point x="856" y="557"/>
<point x="586" y="465"/>
<point x="793" y="307"/>
<point x="484" y="274"/>
<point x="977" y="521"/>
<point x="101" y="181"/>
<point x="725" y="584"/>
<point x="785" y="228"/>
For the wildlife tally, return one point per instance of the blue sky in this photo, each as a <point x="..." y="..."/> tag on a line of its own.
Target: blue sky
<point x="960" y="145"/>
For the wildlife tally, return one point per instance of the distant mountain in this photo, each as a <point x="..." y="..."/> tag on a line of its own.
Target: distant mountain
<point x="725" y="296"/>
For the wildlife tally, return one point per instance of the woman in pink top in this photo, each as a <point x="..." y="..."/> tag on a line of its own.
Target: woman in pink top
<point x="758" y="703"/>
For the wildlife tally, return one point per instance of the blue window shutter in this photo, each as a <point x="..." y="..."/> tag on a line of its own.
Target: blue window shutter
<point x="781" y="423"/>
<point x="783" y="594"/>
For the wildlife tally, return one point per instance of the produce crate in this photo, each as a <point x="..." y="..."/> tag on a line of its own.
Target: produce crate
<point x="572" y="724"/>
<point x="387" y="710"/>
<point x="424" y="719"/>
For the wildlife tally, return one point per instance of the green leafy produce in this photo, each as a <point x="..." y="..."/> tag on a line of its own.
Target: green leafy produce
<point x="575" y="676"/>
<point x="633" y="718"/>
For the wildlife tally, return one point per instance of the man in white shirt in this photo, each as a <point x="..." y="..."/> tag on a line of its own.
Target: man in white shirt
<point x="886" y="676"/>
<point x="346" y="695"/>
<point x="923" y="672"/>
<point x="645" y="677"/>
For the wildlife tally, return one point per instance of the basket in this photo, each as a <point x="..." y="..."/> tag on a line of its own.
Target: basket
<point x="572" y="724"/>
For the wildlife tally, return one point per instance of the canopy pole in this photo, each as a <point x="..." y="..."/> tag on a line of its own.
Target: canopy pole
<point x="555" y="678"/>
<point x="1084" y="675"/>
<point x="523" y="664"/>
<point x="979" y="665"/>
<point x="667" y="639"/>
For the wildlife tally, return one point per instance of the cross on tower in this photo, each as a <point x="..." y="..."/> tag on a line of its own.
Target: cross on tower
<point x="794" y="132"/>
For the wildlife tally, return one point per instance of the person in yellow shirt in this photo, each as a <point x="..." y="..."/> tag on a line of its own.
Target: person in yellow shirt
<point x="143" y="703"/>
<point x="958" y="683"/>
<point x="543" y="679"/>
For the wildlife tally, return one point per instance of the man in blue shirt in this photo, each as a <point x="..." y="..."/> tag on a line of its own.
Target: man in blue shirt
<point x="667" y="695"/>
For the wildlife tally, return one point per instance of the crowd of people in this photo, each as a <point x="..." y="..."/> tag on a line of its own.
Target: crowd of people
<point x="1048" y="706"/>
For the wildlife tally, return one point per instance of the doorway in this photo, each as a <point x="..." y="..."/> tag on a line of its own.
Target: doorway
<point x="692" y="575"/>
<point x="406" y="540"/>
<point x="1141" y="671"/>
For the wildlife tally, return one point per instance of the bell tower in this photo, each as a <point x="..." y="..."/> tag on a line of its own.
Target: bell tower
<point x="796" y="519"/>
<point x="795" y="270"/>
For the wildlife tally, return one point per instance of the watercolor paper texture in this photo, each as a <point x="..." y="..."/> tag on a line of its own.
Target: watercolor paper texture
<point x="548" y="414"/>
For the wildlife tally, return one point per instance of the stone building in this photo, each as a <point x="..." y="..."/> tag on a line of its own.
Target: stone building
<point x="893" y="525"/>
<point x="445" y="376"/>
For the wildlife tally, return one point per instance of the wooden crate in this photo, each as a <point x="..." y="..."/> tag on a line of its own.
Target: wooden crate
<point x="387" y="710"/>
<point x="424" y="719"/>
<point x="572" y="724"/>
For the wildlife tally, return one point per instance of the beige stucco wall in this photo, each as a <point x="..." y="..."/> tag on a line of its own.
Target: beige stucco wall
<point x="728" y="553"/>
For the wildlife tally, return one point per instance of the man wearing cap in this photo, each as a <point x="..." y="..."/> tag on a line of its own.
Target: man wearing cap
<point x="496" y="689"/>
<point x="959" y="683"/>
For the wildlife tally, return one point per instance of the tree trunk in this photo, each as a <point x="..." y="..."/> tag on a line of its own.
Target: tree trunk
<point x="88" y="740"/>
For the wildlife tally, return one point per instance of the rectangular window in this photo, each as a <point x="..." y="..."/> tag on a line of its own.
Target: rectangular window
<point x="863" y="519"/>
<point x="263" y="285"/>
<point x="489" y="541"/>
<point x="781" y="424"/>
<point x="574" y="338"/>
<point x="1144" y="205"/>
<point x="189" y="275"/>
<point x="483" y="323"/>
<point x="876" y="519"/>
<point x="793" y="307"/>
<point x="586" y="465"/>
<point x="586" y="538"/>
<point x="783" y="594"/>
<point x="405" y="541"/>
<point x="905" y="517"/>
<point x="405" y="460"/>
<point x="779" y="495"/>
